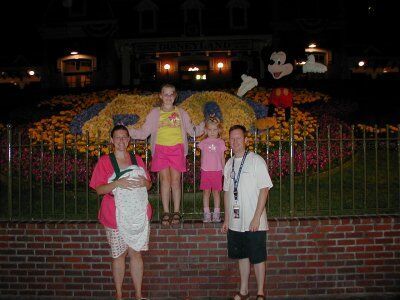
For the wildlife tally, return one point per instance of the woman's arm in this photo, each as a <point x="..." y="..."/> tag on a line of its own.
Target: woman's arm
<point x="124" y="183"/>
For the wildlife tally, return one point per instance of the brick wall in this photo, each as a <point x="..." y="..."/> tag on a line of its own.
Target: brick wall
<point x="307" y="257"/>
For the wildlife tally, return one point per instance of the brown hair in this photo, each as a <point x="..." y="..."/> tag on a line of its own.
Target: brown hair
<point x="119" y="127"/>
<point x="241" y="127"/>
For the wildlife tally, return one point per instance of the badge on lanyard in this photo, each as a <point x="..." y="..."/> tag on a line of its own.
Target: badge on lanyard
<point x="236" y="211"/>
<point x="236" y="206"/>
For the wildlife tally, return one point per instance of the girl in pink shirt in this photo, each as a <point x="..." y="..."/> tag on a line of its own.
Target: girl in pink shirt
<point x="212" y="164"/>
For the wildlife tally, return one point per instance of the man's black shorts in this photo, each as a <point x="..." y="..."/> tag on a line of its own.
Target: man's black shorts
<point x="251" y="245"/>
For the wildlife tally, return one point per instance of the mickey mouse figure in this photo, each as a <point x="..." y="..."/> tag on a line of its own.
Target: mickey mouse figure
<point x="280" y="97"/>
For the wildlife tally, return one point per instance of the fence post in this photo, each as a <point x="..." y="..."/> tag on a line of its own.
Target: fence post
<point x="9" y="158"/>
<point x="291" y="161"/>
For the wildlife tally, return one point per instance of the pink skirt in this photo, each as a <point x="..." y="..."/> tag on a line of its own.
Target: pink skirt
<point x="168" y="156"/>
<point x="211" y="180"/>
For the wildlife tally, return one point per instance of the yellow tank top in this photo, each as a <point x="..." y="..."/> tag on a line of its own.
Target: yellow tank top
<point x="169" y="128"/>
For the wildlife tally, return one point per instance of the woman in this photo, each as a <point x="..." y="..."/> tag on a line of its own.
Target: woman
<point x="168" y="126"/>
<point x="123" y="180"/>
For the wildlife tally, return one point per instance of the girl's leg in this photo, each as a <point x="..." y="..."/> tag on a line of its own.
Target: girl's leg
<point x="118" y="269"/>
<point x="206" y="206"/>
<point x="136" y="265"/>
<point x="176" y="188"/>
<point x="217" y="199"/>
<point x="216" y="217"/>
<point x="165" y="182"/>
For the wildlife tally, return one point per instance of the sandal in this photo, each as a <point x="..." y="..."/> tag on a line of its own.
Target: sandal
<point x="261" y="297"/>
<point x="176" y="218"/>
<point x="166" y="219"/>
<point x="241" y="297"/>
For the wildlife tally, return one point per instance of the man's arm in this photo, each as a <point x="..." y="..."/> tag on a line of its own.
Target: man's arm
<point x="262" y="201"/>
<point x="225" y="226"/>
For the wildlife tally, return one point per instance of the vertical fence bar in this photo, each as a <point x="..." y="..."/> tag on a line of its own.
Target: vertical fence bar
<point x="291" y="161"/>
<point x="255" y="140"/>
<point x="30" y="178"/>
<point x="317" y="181"/>
<point x="280" y="170"/>
<point x="267" y="138"/>
<point x="365" y="168"/>
<point x="194" y="172"/>
<point x="341" y="165"/>
<point x="158" y="196"/>
<point x="146" y="147"/>
<point x="387" y="165"/>
<point x="41" y="178"/>
<point x="376" y="167"/>
<point x="353" y="194"/>
<point x="98" y="145"/>
<point x="305" y="168"/>
<point x="329" y="171"/>
<point x="9" y="173"/>
<point x="64" y="161"/>
<point x="398" y="161"/>
<point x="53" y="150"/>
<point x="87" y="173"/>
<point x="19" y="172"/>
<point x="75" y="175"/>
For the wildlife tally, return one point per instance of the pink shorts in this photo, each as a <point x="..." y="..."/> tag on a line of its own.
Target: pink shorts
<point x="168" y="156"/>
<point x="211" y="180"/>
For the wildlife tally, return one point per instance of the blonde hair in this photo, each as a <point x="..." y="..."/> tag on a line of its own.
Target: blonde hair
<point x="213" y="120"/>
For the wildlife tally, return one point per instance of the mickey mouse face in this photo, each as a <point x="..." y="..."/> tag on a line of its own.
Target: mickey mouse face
<point x="277" y="66"/>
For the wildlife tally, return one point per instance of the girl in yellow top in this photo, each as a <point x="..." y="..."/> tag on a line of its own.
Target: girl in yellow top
<point x="168" y="126"/>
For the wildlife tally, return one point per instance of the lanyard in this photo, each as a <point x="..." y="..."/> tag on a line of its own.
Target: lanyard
<point x="236" y="180"/>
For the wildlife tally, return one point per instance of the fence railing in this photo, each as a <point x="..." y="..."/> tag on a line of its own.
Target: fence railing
<point x="336" y="171"/>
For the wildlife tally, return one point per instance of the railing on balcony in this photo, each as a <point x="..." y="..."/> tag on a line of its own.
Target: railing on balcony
<point x="336" y="171"/>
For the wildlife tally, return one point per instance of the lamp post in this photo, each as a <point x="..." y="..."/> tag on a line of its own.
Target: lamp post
<point x="166" y="68"/>
<point x="220" y="65"/>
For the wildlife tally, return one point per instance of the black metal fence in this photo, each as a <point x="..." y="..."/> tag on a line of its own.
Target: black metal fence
<point x="335" y="171"/>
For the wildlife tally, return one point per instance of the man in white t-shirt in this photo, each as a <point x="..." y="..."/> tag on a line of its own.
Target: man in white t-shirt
<point x="246" y="186"/>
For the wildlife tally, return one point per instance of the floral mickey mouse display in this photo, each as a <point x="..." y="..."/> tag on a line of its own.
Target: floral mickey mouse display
<point x="280" y="97"/>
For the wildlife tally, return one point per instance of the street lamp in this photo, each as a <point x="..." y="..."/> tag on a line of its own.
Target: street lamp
<point x="166" y="68"/>
<point x="361" y="63"/>
<point x="220" y="65"/>
<point x="312" y="45"/>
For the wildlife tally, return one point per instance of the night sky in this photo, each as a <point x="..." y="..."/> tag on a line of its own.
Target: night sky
<point x="20" y="35"/>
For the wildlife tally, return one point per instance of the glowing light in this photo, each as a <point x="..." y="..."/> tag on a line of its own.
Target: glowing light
<point x="74" y="52"/>
<point x="312" y="45"/>
<point x="220" y="65"/>
<point x="194" y="69"/>
<point x="167" y="67"/>
<point x="31" y="72"/>
<point x="198" y="77"/>
<point x="361" y="63"/>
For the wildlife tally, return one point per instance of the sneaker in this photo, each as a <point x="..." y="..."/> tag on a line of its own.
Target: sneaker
<point x="216" y="217"/>
<point x="206" y="217"/>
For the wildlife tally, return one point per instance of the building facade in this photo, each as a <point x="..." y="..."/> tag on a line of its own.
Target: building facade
<point x="200" y="43"/>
